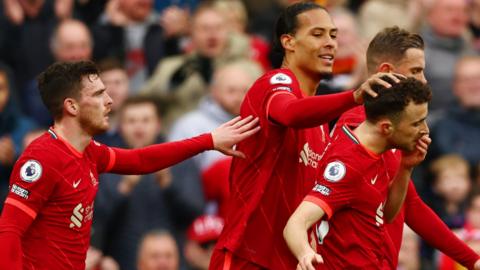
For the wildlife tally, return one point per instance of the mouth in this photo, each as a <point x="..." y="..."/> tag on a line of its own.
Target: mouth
<point x="327" y="58"/>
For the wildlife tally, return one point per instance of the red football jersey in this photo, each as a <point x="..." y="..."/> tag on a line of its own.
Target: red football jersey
<point x="352" y="191"/>
<point x="269" y="184"/>
<point x="56" y="185"/>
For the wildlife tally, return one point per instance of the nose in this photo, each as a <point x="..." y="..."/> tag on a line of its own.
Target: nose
<point x="423" y="79"/>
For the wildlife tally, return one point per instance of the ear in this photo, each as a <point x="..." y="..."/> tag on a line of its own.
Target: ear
<point x="386" y="127"/>
<point x="288" y="42"/>
<point x="70" y="106"/>
<point x="385" y="67"/>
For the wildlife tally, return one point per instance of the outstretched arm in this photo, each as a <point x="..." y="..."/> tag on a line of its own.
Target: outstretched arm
<point x="156" y="157"/>
<point x="295" y="234"/>
<point x="286" y="109"/>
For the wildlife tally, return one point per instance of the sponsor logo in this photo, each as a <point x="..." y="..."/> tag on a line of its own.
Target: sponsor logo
<point x="379" y="215"/>
<point x="308" y="157"/>
<point x="280" y="78"/>
<point x="374" y="179"/>
<point x="81" y="214"/>
<point x="282" y="88"/>
<point x="334" y="171"/>
<point x="322" y="189"/>
<point x="20" y="191"/>
<point x="75" y="184"/>
<point x="31" y="171"/>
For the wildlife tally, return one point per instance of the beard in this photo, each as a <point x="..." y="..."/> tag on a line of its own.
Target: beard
<point x="92" y="126"/>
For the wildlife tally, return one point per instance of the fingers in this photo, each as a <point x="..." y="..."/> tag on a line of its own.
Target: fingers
<point x="232" y="122"/>
<point x="242" y="122"/>
<point x="234" y="153"/>
<point x="248" y="125"/>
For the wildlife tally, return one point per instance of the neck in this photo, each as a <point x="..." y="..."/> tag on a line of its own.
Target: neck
<point x="308" y="82"/>
<point x="71" y="132"/>
<point x="370" y="138"/>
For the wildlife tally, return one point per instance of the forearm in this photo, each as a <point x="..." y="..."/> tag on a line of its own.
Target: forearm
<point x="295" y="234"/>
<point x="397" y="192"/>
<point x="159" y="156"/>
<point x="431" y="228"/>
<point x="309" y="112"/>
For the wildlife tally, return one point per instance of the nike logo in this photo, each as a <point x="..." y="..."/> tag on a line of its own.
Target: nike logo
<point x="75" y="184"/>
<point x="373" y="180"/>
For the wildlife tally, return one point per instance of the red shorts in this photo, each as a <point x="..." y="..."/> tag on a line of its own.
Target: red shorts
<point x="225" y="260"/>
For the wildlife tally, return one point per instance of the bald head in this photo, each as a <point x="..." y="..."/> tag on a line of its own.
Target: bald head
<point x="71" y="41"/>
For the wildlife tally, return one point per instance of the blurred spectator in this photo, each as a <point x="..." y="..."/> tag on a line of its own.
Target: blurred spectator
<point x="115" y="78"/>
<point x="13" y="128"/>
<point x="158" y="250"/>
<point x="70" y="41"/>
<point x="183" y="80"/>
<point x="374" y="15"/>
<point x="451" y="185"/>
<point x="202" y="236"/>
<point x="31" y="136"/>
<point x="349" y="68"/>
<point x="458" y="130"/>
<point x="409" y="256"/>
<point x="470" y="233"/>
<point x="131" y="30"/>
<point x="27" y="28"/>
<point x="446" y="25"/>
<point x="237" y="19"/>
<point x="128" y="206"/>
<point x="210" y="169"/>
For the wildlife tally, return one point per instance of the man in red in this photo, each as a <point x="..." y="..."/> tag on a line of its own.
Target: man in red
<point x="358" y="191"/>
<point x="48" y="212"/>
<point x="283" y="157"/>
<point x="397" y="50"/>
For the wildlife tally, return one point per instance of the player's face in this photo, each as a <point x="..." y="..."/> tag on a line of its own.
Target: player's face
<point x="411" y="127"/>
<point x="94" y="105"/>
<point x="315" y="42"/>
<point x="412" y="64"/>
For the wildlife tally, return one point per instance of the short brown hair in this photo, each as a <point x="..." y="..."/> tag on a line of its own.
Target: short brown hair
<point x="63" y="80"/>
<point x="450" y="161"/>
<point x="391" y="102"/>
<point x="109" y="64"/>
<point x="390" y="44"/>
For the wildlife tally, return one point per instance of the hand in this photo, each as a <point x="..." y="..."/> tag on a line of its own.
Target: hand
<point x="174" y="21"/>
<point x="415" y="157"/>
<point x="93" y="258"/>
<point x="232" y="132"/>
<point x="309" y="260"/>
<point x="366" y="87"/>
<point x="164" y="178"/>
<point x="63" y="9"/>
<point x="127" y="183"/>
<point x="14" y="11"/>
<point x="115" y="15"/>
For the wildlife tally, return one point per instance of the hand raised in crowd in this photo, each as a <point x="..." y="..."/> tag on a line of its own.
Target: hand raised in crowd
<point x="366" y="87"/>
<point x="232" y="132"/>
<point x="13" y="11"/>
<point x="63" y="9"/>
<point x="7" y="154"/>
<point x="115" y="15"/>
<point x="174" y="21"/>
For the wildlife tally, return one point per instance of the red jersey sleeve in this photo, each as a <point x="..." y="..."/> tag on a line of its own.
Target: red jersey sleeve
<point x="32" y="181"/>
<point x="291" y="111"/>
<point x="336" y="188"/>
<point x="103" y="155"/>
<point x="430" y="227"/>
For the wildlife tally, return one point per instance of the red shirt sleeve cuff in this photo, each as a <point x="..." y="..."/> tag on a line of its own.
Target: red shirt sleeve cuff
<point x="325" y="207"/>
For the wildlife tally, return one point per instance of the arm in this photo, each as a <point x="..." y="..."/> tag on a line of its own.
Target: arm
<point x="156" y="157"/>
<point x="13" y="224"/>
<point x="295" y="234"/>
<point x="289" y="111"/>
<point x="399" y="185"/>
<point x="430" y="227"/>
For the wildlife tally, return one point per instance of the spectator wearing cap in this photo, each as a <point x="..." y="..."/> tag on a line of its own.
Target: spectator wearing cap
<point x="201" y="238"/>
